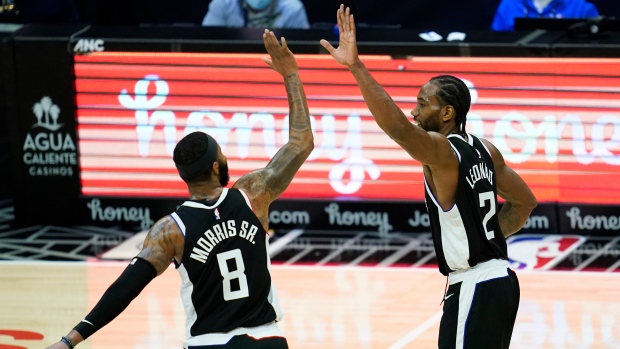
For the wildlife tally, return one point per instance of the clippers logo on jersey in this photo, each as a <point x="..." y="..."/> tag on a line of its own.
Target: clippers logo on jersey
<point x="540" y="251"/>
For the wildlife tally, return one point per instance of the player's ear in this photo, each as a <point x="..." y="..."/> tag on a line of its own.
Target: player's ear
<point x="447" y="113"/>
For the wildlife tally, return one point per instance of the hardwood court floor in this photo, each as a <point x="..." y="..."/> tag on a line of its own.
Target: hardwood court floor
<point x="326" y="307"/>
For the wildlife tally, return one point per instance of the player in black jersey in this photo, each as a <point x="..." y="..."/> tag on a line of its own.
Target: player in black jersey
<point x="463" y="176"/>
<point x="217" y="239"/>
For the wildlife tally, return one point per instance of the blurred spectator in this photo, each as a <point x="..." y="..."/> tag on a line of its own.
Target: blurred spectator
<point x="257" y="14"/>
<point x="508" y="10"/>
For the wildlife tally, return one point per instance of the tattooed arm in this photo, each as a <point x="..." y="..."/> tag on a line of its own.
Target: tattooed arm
<point x="520" y="200"/>
<point x="163" y="243"/>
<point x="265" y="185"/>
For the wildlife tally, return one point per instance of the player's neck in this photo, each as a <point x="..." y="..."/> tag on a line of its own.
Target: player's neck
<point x="205" y="191"/>
<point x="450" y="130"/>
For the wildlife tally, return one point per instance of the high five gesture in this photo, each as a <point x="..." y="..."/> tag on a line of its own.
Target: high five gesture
<point x="468" y="230"/>
<point x="346" y="53"/>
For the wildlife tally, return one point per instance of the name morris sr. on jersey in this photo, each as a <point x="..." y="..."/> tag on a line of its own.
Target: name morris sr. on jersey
<point x="218" y="233"/>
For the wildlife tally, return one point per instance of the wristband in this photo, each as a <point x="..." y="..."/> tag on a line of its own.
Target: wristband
<point x="68" y="342"/>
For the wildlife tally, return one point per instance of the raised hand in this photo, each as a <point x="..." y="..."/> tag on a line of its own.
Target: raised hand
<point x="346" y="53"/>
<point x="282" y="59"/>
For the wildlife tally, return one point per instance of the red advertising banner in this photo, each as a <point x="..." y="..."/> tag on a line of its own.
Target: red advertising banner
<point x="556" y="121"/>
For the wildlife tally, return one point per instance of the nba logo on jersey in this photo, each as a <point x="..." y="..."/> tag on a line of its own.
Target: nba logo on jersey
<point x="217" y="213"/>
<point x="541" y="252"/>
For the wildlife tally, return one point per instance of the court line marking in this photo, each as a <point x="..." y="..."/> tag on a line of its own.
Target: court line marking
<point x="613" y="267"/>
<point x="598" y="253"/>
<point x="281" y="243"/>
<point x="423" y="260"/>
<point x="416" y="332"/>
<point x="340" y="249"/>
<point x="363" y="256"/>
<point x="394" y="257"/>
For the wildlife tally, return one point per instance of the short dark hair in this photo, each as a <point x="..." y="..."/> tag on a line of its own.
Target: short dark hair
<point x="453" y="91"/>
<point x="189" y="150"/>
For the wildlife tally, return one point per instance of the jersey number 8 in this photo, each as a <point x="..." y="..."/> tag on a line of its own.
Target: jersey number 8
<point x="228" y="275"/>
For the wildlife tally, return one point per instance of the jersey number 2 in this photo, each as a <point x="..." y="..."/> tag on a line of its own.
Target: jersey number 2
<point x="228" y="275"/>
<point x="484" y="197"/>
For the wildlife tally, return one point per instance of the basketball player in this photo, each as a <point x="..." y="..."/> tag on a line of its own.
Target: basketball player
<point x="217" y="239"/>
<point x="463" y="176"/>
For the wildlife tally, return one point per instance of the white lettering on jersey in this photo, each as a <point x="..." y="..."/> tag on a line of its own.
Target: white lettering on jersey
<point x="217" y="234"/>
<point x="249" y="235"/>
<point x="478" y="172"/>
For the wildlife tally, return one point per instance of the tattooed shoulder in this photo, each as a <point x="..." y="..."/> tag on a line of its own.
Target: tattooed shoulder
<point x="254" y="183"/>
<point x="162" y="243"/>
<point x="163" y="229"/>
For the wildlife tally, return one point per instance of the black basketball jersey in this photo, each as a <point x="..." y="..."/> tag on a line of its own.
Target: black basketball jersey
<point x="468" y="233"/>
<point x="225" y="270"/>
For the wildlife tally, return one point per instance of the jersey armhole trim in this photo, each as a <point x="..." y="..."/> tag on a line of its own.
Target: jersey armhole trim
<point x="179" y="222"/>
<point x="485" y="147"/>
<point x="456" y="151"/>
<point x="481" y="142"/>
<point x="430" y="193"/>
<point x="245" y="196"/>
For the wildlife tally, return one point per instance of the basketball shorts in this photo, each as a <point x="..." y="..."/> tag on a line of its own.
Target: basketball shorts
<point x="480" y="307"/>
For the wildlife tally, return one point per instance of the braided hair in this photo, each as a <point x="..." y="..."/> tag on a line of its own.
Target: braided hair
<point x="453" y="91"/>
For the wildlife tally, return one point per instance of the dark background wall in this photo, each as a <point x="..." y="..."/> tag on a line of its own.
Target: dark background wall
<point x="6" y="78"/>
<point x="418" y="14"/>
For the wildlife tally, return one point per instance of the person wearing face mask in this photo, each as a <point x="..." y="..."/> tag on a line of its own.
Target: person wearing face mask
<point x="508" y="10"/>
<point x="257" y="14"/>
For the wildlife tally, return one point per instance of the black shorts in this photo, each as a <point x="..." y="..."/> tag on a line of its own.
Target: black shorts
<point x="480" y="310"/>
<point x="244" y="341"/>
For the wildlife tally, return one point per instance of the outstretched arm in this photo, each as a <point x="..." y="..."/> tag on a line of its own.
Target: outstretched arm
<point x="163" y="242"/>
<point x="520" y="200"/>
<point x="427" y="147"/>
<point x="265" y="185"/>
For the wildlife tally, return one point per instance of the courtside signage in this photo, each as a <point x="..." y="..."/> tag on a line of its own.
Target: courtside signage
<point x="533" y="251"/>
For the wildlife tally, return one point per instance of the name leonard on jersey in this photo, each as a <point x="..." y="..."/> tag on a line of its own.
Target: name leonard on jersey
<point x="218" y="233"/>
<point x="478" y="172"/>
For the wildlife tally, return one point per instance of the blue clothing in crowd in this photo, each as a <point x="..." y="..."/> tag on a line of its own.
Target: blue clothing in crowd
<point x="508" y="10"/>
<point x="230" y="13"/>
